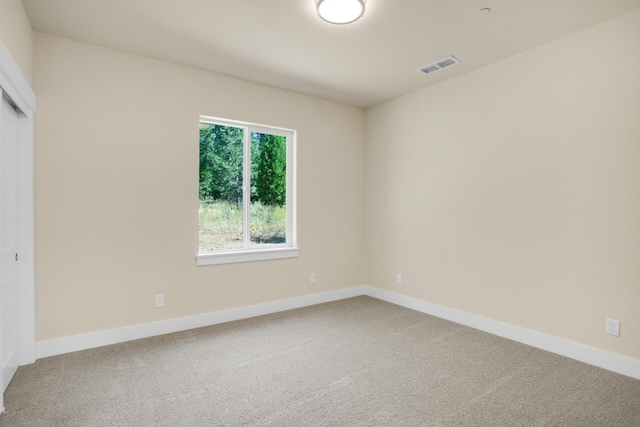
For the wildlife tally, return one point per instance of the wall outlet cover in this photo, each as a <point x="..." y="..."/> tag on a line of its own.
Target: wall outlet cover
<point x="613" y="327"/>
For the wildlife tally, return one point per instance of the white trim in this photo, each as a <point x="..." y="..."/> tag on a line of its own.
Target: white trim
<point x="26" y="265"/>
<point x="14" y="83"/>
<point x="592" y="356"/>
<point x="16" y="86"/>
<point x="246" y="190"/>
<point x="247" y="255"/>
<point x="113" y="336"/>
<point x="600" y="358"/>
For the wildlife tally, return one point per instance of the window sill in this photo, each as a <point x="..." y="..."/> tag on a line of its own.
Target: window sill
<point x="246" y="256"/>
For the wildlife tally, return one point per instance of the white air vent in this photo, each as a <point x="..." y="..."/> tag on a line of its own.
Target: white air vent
<point x="439" y="65"/>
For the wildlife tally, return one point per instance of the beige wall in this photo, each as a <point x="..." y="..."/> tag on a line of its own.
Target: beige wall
<point x="513" y="192"/>
<point x="16" y="34"/>
<point x="117" y="190"/>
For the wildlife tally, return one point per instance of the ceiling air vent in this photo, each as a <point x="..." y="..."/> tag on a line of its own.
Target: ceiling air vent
<point x="439" y="65"/>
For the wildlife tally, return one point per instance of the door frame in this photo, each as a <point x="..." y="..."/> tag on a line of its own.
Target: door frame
<point x="16" y="86"/>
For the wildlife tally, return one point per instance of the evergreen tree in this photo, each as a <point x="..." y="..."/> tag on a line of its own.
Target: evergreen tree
<point x="271" y="171"/>
<point x="220" y="162"/>
<point x="221" y="158"/>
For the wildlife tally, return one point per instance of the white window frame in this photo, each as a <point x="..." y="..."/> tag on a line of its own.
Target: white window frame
<point x="252" y="251"/>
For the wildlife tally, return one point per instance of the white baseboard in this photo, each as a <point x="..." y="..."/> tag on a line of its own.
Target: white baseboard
<point x="610" y="361"/>
<point x="113" y="336"/>
<point x="592" y="356"/>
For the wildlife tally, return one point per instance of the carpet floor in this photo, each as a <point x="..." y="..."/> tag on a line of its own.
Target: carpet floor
<point x="355" y="362"/>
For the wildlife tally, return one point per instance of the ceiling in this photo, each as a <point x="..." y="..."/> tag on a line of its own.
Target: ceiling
<point x="283" y="43"/>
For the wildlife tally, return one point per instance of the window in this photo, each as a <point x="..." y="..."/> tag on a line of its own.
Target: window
<point x="245" y="188"/>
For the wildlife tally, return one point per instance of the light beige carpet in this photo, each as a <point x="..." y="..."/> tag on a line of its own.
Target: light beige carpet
<point x="357" y="362"/>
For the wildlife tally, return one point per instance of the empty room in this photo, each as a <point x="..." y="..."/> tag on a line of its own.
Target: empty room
<point x="320" y="212"/>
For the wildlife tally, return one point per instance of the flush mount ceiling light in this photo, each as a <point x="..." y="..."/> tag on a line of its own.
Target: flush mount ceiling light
<point x="340" y="11"/>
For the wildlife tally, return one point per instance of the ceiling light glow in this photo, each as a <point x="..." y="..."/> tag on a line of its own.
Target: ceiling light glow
<point x="340" y="11"/>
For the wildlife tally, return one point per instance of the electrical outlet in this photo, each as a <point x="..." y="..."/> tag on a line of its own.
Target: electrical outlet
<point x="613" y="327"/>
<point x="160" y="300"/>
<point x="399" y="279"/>
<point x="312" y="278"/>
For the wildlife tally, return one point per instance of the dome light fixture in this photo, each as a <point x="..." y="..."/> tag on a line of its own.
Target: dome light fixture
<point x="340" y="11"/>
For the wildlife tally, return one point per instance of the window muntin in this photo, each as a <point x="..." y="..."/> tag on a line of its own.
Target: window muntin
<point x="245" y="191"/>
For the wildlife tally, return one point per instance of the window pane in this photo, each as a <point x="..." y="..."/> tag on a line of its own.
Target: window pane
<point x="221" y="158"/>
<point x="268" y="189"/>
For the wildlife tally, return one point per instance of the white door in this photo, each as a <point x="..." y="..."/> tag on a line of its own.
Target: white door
<point x="9" y="283"/>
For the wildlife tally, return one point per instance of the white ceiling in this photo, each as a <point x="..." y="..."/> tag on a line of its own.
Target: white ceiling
<point x="283" y="43"/>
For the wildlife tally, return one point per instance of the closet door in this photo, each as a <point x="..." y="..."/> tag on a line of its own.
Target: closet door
<point x="9" y="283"/>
